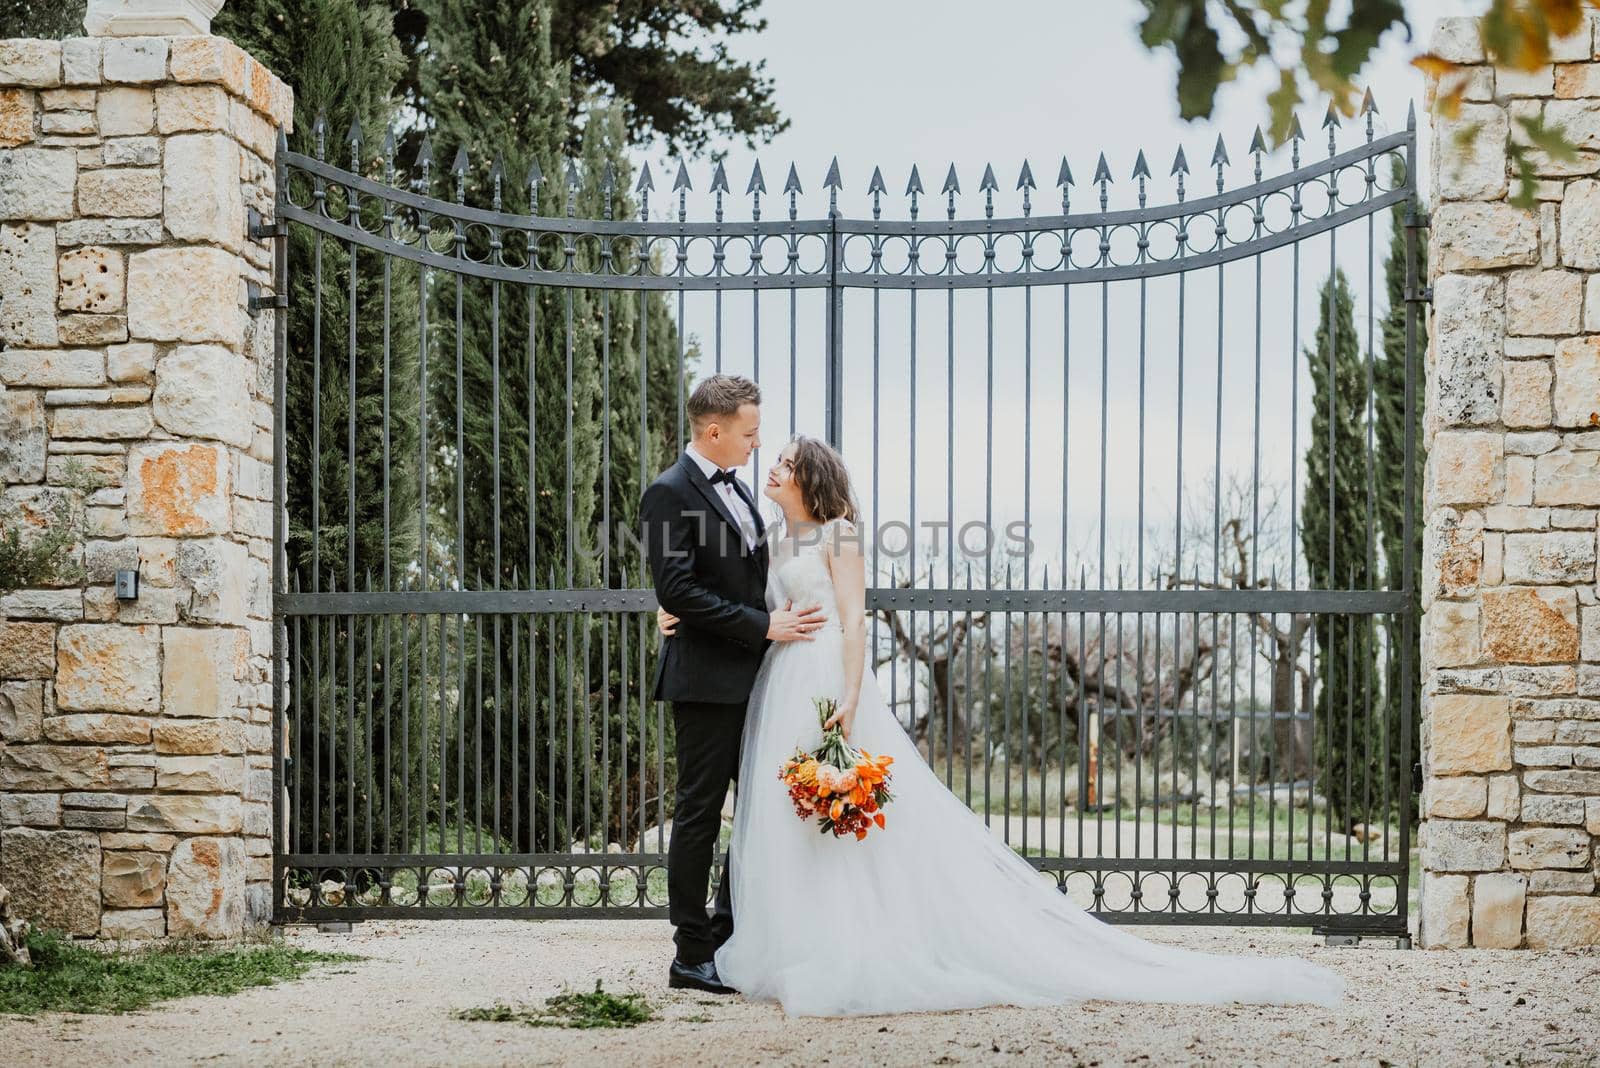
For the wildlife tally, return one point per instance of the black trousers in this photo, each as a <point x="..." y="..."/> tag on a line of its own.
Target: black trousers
<point x="708" y="736"/>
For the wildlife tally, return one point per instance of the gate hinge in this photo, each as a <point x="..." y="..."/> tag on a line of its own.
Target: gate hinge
<point x="1418" y="220"/>
<point x="1421" y="296"/>
<point x="261" y="229"/>
<point x="259" y="301"/>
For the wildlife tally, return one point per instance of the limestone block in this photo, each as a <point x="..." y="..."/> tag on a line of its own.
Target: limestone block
<point x="135" y="59"/>
<point x="60" y="605"/>
<point x="1523" y="625"/>
<point x="1567" y="478"/>
<point x="1445" y="911"/>
<point x="202" y="189"/>
<point x="204" y="774"/>
<point x="178" y="489"/>
<point x="133" y="880"/>
<point x="1477" y="236"/>
<point x="1463" y="845"/>
<point x="1549" y="847"/>
<point x="100" y="423"/>
<point x="120" y="191"/>
<point x="209" y="59"/>
<point x="30" y="62"/>
<point x="1464" y="389"/>
<point x="125" y="112"/>
<point x="21" y="711"/>
<point x="16" y="117"/>
<point x="217" y="572"/>
<point x="133" y="923"/>
<point x="22" y="437"/>
<point x="181" y="108"/>
<point x="1543" y="302"/>
<point x="53" y="877"/>
<point x="1553" y="809"/>
<point x="80" y="61"/>
<point x="1477" y="168"/>
<point x="1451" y="634"/>
<point x="1549" y="558"/>
<point x="110" y="232"/>
<point x="1460" y="797"/>
<point x="1467" y="467"/>
<point x="1504" y="796"/>
<point x="203" y="391"/>
<point x="1560" y="882"/>
<point x="30" y="810"/>
<point x="92" y="279"/>
<point x="1573" y="80"/>
<point x="102" y="728"/>
<point x="27" y="283"/>
<point x="186" y="814"/>
<point x="66" y="122"/>
<point x="1456" y="39"/>
<point x="133" y="362"/>
<point x="1577" y="382"/>
<point x="199" y="737"/>
<point x="1580" y="225"/>
<point x="202" y="670"/>
<point x="1527" y="393"/>
<point x="1562" y="780"/>
<point x="205" y="888"/>
<point x="1497" y="903"/>
<point x="185" y="294"/>
<point x="1591" y="815"/>
<point x="107" y="667"/>
<point x="1471" y="733"/>
<point x="131" y="152"/>
<point x="86" y="329"/>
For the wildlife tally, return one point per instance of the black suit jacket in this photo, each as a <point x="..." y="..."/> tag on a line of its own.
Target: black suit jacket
<point x="706" y="576"/>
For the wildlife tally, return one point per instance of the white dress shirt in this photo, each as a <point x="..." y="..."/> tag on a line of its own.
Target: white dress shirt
<point x="736" y="503"/>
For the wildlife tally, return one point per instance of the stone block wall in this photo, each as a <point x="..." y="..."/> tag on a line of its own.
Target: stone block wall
<point x="136" y="390"/>
<point x="1511" y="628"/>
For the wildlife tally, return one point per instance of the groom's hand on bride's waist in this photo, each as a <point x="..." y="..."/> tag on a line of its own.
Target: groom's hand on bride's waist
<point x="787" y="625"/>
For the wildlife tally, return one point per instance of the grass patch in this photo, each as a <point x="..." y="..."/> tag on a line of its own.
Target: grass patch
<point x="584" y="1011"/>
<point x="71" y="977"/>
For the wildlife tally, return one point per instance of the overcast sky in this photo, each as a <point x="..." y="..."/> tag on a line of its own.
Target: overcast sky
<point x="894" y="82"/>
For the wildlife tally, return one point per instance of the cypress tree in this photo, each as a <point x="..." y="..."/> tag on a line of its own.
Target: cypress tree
<point x="1334" y="519"/>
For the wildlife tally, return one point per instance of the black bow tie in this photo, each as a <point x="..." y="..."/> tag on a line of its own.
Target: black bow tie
<point x="722" y="476"/>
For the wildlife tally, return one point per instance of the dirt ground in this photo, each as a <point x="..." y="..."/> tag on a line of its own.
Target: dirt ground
<point x="1477" y="1007"/>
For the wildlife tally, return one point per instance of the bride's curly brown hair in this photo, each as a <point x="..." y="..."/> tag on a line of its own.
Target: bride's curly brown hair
<point x="824" y="481"/>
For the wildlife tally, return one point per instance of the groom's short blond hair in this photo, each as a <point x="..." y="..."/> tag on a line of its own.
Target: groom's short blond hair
<point x="720" y="397"/>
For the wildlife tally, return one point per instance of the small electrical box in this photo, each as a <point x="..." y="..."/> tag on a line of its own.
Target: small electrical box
<point x="127" y="585"/>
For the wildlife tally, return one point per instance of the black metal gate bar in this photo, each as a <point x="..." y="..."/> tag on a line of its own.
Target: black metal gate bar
<point x="413" y="660"/>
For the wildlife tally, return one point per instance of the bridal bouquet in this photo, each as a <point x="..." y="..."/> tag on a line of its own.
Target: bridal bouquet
<point x="843" y="788"/>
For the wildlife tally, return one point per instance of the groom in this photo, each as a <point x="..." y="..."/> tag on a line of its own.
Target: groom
<point x="706" y="545"/>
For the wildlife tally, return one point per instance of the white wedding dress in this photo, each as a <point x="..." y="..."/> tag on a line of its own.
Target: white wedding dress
<point x="933" y="912"/>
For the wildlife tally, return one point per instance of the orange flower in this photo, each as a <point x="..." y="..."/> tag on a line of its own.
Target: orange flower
<point x="878" y="819"/>
<point x="862" y="833"/>
<point x="836" y="809"/>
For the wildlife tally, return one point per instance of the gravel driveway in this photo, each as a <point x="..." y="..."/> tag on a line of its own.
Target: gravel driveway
<point x="1475" y="1007"/>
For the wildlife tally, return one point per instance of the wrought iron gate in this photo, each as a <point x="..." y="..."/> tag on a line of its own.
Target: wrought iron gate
<point x="469" y="396"/>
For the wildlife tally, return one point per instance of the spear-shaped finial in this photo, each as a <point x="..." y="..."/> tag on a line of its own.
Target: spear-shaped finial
<point x="1219" y="160"/>
<point x="914" y="189"/>
<point x="425" y="161"/>
<point x="987" y="185"/>
<point x="1331" y="123"/>
<point x="1102" y="178"/>
<point x="458" y="170"/>
<point x="352" y="137"/>
<point x="1064" y="182"/>
<point x="497" y="171"/>
<point x="389" y="145"/>
<point x="1180" y="168"/>
<point x="1141" y="171"/>
<point x="319" y="130"/>
<point x="753" y="189"/>
<point x="1258" y="149"/>
<point x="832" y="183"/>
<point x="1411" y="115"/>
<point x="534" y="179"/>
<point x="1026" y="183"/>
<point x="1296" y="135"/>
<point x="608" y="185"/>
<point x="646" y="182"/>
<point x="608" y="178"/>
<point x="719" y="179"/>
<point x="952" y="186"/>
<point x="876" y="188"/>
<point x="681" y="182"/>
<point x="791" y="189"/>
<point x="1369" y="108"/>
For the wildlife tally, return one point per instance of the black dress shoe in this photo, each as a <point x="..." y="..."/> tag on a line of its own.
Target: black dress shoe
<point x="702" y="976"/>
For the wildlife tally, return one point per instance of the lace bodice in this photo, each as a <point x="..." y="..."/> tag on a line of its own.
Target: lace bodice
<point x="798" y="570"/>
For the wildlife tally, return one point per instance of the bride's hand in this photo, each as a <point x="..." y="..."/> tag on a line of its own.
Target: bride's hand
<point x="844" y="717"/>
<point x="666" y="622"/>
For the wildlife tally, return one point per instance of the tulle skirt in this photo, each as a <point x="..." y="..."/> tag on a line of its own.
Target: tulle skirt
<point x="934" y="912"/>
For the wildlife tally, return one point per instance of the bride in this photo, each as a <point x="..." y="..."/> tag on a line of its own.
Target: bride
<point x="934" y="912"/>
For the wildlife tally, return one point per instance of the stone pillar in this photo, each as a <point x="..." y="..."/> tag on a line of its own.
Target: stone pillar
<point x="136" y="390"/>
<point x="1511" y="628"/>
